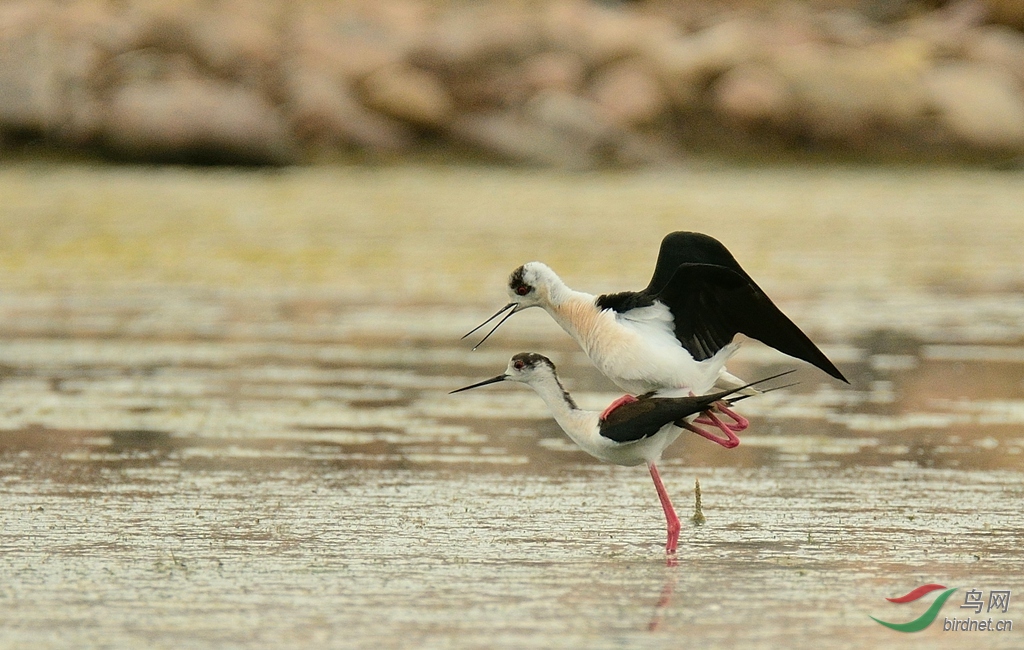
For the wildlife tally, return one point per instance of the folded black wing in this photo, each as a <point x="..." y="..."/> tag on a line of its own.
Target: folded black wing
<point x="711" y="303"/>
<point x="645" y="417"/>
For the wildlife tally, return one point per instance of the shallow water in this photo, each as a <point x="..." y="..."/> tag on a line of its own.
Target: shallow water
<point x="212" y="465"/>
<point x="285" y="485"/>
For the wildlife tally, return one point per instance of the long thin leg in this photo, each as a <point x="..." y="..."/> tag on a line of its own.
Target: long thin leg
<point x="740" y="423"/>
<point x="625" y="399"/>
<point x="729" y="441"/>
<point x="671" y="520"/>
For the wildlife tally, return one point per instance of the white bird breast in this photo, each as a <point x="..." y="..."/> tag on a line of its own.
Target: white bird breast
<point x="641" y="353"/>
<point x="648" y="450"/>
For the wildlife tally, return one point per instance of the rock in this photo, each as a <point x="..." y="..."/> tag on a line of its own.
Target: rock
<point x="563" y="71"/>
<point x="948" y="30"/>
<point x="148" y="64"/>
<point x="152" y="26"/>
<point x="981" y="105"/>
<point x="29" y="79"/>
<point x="82" y="30"/>
<point x="846" y="93"/>
<point x="573" y="117"/>
<point x="1006" y="12"/>
<point x="602" y="34"/>
<point x="686" y="66"/>
<point x="849" y="28"/>
<point x="236" y="42"/>
<point x="753" y="94"/>
<point x="511" y="136"/>
<point x="629" y="93"/>
<point x="999" y="47"/>
<point x="888" y="11"/>
<point x="232" y="41"/>
<point x="190" y="119"/>
<point x="470" y="37"/>
<point x="97" y="25"/>
<point x="554" y="129"/>
<point x="476" y="51"/>
<point x="597" y="139"/>
<point x="485" y="89"/>
<point x="325" y="112"/>
<point x="408" y="94"/>
<point x="349" y="45"/>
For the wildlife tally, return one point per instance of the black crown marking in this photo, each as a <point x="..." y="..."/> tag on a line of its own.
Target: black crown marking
<point x="517" y="279"/>
<point x="532" y="360"/>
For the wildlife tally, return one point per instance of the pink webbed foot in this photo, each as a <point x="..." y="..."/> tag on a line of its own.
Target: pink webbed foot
<point x="622" y="401"/>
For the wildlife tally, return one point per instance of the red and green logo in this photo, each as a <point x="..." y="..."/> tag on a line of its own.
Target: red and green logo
<point x="924" y="620"/>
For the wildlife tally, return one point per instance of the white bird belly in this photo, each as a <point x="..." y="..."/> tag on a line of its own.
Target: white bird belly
<point x="647" y="450"/>
<point x="643" y="355"/>
<point x="638" y="350"/>
<point x="584" y="428"/>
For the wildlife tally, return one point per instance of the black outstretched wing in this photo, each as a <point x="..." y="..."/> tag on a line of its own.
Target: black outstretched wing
<point x="677" y="249"/>
<point x="712" y="299"/>
<point x="711" y="304"/>
<point x="680" y="248"/>
<point x="645" y="417"/>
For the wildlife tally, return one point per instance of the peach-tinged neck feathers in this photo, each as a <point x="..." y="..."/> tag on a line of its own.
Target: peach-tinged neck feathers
<point x="577" y="314"/>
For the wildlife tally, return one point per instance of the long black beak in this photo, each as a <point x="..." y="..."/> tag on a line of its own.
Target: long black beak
<point x="492" y="380"/>
<point x="512" y="305"/>
<point x="496" y="314"/>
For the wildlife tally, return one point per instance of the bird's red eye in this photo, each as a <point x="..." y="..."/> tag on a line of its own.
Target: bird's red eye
<point x="518" y="365"/>
<point x="522" y="290"/>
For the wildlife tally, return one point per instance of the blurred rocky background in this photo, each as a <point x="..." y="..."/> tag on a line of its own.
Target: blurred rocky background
<point x="564" y="83"/>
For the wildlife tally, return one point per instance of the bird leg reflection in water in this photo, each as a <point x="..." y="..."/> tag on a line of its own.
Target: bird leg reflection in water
<point x="671" y="562"/>
<point x="667" y="590"/>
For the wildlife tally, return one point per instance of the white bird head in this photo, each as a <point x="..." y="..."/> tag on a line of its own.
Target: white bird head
<point x="527" y="368"/>
<point x="533" y="284"/>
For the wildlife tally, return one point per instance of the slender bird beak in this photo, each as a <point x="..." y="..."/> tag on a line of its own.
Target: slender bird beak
<point x="512" y="305"/>
<point x="496" y="314"/>
<point x="492" y="380"/>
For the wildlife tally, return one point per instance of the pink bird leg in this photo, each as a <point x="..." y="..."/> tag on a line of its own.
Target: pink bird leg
<point x="622" y="401"/>
<point x="729" y="441"/>
<point x="739" y="422"/>
<point x="671" y="520"/>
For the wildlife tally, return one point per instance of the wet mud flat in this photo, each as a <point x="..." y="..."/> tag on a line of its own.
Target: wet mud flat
<point x="205" y="443"/>
<point x="247" y="488"/>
